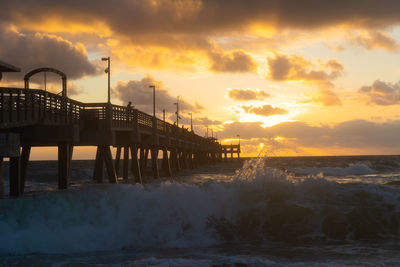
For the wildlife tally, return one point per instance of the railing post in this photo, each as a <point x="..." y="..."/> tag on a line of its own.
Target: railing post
<point x="109" y="116"/>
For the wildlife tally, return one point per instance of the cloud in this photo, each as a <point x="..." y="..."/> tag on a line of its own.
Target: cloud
<point x="355" y="134"/>
<point x="30" y="51"/>
<point x="376" y="40"/>
<point x="141" y="96"/>
<point x="381" y="93"/>
<point x="297" y="68"/>
<point x="233" y="61"/>
<point x="247" y="94"/>
<point x="206" y="121"/>
<point x="182" y="34"/>
<point x="326" y="97"/>
<point x="151" y="17"/>
<point x="264" y="110"/>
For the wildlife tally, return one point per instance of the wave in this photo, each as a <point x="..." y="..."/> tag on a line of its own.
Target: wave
<point x="352" y="169"/>
<point x="259" y="205"/>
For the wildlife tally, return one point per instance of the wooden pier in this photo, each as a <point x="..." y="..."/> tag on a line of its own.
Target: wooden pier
<point x="34" y="117"/>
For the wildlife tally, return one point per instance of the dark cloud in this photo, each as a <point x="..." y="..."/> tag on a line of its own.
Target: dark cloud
<point x="31" y="51"/>
<point x="349" y="134"/>
<point x="296" y="68"/>
<point x="381" y="93"/>
<point x="132" y="18"/>
<point x="141" y="96"/>
<point x="265" y="110"/>
<point x="233" y="61"/>
<point x="247" y="94"/>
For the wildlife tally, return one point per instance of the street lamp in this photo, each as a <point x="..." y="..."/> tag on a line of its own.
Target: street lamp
<point x="107" y="70"/>
<point x="177" y="111"/>
<point x="154" y="99"/>
<point x="191" y="122"/>
<point x="239" y="138"/>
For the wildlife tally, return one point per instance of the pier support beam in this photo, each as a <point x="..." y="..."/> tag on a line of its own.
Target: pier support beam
<point x="166" y="164"/>
<point x="103" y="155"/>
<point x="98" y="166"/>
<point x="154" y="165"/>
<point x="142" y="160"/>
<point x="15" y="176"/>
<point x="135" y="164"/>
<point x="112" y="176"/>
<point x="1" y="178"/>
<point x="64" y="162"/>
<point x="117" y="159"/>
<point x="145" y="159"/>
<point x="126" y="163"/>
<point x="26" y="151"/>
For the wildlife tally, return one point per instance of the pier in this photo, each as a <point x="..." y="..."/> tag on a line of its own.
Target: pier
<point x="35" y="117"/>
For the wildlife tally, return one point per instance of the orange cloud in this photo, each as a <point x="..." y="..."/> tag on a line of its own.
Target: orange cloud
<point x="381" y="93"/>
<point x="141" y="96"/>
<point x="247" y="94"/>
<point x="376" y="40"/>
<point x="232" y="61"/>
<point x="327" y="98"/>
<point x="264" y="110"/>
<point x="297" y="68"/>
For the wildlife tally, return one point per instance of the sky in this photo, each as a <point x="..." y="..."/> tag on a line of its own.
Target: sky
<point x="291" y="78"/>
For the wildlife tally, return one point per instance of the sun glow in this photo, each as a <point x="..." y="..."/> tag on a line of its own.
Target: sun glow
<point x="267" y="121"/>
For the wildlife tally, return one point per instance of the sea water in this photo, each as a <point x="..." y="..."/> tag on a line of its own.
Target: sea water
<point x="308" y="211"/>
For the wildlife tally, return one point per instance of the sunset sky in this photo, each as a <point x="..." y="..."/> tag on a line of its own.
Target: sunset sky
<point x="308" y="77"/>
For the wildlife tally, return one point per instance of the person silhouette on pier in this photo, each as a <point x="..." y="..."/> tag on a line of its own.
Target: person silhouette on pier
<point x="128" y="110"/>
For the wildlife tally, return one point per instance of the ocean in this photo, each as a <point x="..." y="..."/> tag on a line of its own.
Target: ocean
<point x="269" y="211"/>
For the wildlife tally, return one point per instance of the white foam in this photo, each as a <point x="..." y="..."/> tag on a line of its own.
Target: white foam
<point x="111" y="217"/>
<point x="166" y="215"/>
<point x="353" y="169"/>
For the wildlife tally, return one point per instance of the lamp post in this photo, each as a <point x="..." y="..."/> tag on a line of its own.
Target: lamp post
<point x="154" y="99"/>
<point x="191" y="122"/>
<point x="177" y="111"/>
<point x="107" y="70"/>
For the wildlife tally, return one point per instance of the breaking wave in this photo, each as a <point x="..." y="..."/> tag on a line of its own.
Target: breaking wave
<point x="352" y="169"/>
<point x="258" y="205"/>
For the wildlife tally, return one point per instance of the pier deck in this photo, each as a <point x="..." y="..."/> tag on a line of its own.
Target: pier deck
<point x="35" y="117"/>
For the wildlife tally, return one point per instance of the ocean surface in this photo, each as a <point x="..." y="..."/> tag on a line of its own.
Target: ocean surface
<point x="270" y="211"/>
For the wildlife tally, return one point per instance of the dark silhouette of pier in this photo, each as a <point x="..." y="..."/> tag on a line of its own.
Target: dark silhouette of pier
<point x="34" y="117"/>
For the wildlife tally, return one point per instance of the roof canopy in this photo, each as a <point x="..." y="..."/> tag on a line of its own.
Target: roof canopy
<point x="5" y="67"/>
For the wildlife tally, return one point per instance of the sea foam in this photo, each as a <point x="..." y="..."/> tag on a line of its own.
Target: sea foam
<point x="259" y="204"/>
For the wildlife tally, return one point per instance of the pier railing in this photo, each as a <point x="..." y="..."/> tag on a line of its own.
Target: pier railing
<point x="21" y="107"/>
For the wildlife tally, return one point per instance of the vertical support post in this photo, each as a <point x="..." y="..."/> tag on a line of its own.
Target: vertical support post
<point x="177" y="162"/>
<point x="142" y="160"/>
<point x="112" y="176"/>
<point x="98" y="166"/>
<point x="15" y="176"/>
<point x="71" y="152"/>
<point x="117" y="159"/>
<point x="126" y="163"/>
<point x="1" y="178"/>
<point x="166" y="163"/>
<point x="191" y="162"/>
<point x="145" y="159"/>
<point x="154" y="165"/>
<point x="135" y="164"/>
<point x="63" y="165"/>
<point x="26" y="151"/>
